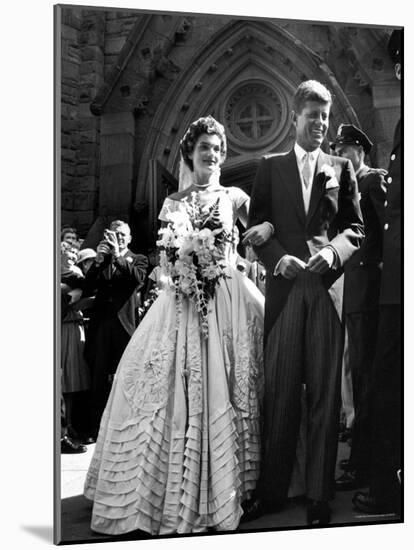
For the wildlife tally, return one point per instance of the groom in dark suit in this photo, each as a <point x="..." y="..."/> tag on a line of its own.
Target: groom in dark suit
<point x="311" y="199"/>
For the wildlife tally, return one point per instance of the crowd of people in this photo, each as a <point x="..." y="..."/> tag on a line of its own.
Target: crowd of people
<point x="100" y="296"/>
<point x="200" y="369"/>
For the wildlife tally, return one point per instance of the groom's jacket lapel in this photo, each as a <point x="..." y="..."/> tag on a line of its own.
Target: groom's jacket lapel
<point x="290" y="178"/>
<point x="318" y="185"/>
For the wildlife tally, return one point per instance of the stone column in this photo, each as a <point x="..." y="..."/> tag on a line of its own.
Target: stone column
<point x="116" y="166"/>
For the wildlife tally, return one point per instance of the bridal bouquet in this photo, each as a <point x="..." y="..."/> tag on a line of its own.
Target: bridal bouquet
<point x="192" y="252"/>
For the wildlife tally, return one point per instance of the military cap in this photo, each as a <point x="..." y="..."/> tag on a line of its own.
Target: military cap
<point x="348" y="134"/>
<point x="395" y="46"/>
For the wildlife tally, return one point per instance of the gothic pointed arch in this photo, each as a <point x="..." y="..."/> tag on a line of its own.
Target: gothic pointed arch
<point x="245" y="77"/>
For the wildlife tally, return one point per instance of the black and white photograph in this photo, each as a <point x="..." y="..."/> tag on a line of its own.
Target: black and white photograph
<point x="227" y="276"/>
<point x="230" y="269"/>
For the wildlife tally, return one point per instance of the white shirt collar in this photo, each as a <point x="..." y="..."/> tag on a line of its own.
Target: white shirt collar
<point x="300" y="153"/>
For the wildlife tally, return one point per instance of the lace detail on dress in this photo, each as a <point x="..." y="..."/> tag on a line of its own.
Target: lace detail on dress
<point x="244" y="362"/>
<point x="249" y="369"/>
<point x="147" y="379"/>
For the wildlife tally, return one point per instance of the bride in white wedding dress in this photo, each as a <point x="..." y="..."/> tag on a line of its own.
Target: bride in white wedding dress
<point x="178" y="449"/>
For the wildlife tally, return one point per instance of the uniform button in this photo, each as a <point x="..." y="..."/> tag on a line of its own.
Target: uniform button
<point x="386" y="226"/>
<point x="361" y="263"/>
<point x="389" y="179"/>
<point x="393" y="156"/>
<point x="385" y="204"/>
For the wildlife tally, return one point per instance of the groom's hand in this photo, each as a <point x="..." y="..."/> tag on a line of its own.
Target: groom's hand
<point x="322" y="261"/>
<point x="290" y="266"/>
<point x="258" y="234"/>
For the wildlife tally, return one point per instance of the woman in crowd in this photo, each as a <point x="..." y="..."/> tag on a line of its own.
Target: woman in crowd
<point x="75" y="371"/>
<point x="178" y="449"/>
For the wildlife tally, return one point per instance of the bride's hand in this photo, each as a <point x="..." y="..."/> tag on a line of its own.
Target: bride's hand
<point x="258" y="234"/>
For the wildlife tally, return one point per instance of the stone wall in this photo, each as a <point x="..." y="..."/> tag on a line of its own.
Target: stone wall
<point x="118" y="26"/>
<point x="90" y="43"/>
<point x="69" y="104"/>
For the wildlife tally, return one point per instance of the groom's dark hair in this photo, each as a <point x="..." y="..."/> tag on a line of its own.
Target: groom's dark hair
<point x="310" y="90"/>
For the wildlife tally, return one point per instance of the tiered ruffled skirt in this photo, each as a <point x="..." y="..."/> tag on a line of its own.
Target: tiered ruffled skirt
<point x="179" y="444"/>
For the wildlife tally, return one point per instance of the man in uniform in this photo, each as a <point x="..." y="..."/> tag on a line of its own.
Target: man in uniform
<point x="384" y="495"/>
<point x="361" y="299"/>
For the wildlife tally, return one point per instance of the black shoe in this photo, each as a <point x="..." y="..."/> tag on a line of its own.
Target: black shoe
<point x="252" y="509"/>
<point x="88" y="440"/>
<point x="73" y="434"/>
<point x="255" y="507"/>
<point x="67" y="446"/>
<point x="347" y="482"/>
<point x="366" y="503"/>
<point x="351" y="480"/>
<point x="318" y="513"/>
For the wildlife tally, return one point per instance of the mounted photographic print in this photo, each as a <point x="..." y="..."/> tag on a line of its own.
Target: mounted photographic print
<point x="228" y="325"/>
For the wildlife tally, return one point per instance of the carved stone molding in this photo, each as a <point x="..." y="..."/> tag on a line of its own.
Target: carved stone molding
<point x="253" y="115"/>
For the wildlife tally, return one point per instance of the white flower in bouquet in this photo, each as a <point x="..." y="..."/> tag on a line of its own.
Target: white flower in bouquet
<point x="186" y="285"/>
<point x="204" y="240"/>
<point x="205" y="257"/>
<point x="184" y="268"/>
<point x="186" y="248"/>
<point x="180" y="220"/>
<point x="167" y="238"/>
<point x="178" y="242"/>
<point x="211" y="272"/>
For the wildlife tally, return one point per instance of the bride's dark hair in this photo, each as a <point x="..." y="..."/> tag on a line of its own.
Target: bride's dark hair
<point x="204" y="125"/>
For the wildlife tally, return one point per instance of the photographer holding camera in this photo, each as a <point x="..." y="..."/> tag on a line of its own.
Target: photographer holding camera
<point x="115" y="277"/>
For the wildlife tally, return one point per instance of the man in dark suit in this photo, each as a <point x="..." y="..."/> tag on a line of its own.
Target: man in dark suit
<point x="311" y="199"/>
<point x="384" y="493"/>
<point x="116" y="276"/>
<point x="361" y="299"/>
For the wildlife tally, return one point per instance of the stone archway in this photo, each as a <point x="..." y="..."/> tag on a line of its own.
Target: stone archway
<point x="245" y="60"/>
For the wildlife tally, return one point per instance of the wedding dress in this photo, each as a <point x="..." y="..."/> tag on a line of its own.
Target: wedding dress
<point x="178" y="449"/>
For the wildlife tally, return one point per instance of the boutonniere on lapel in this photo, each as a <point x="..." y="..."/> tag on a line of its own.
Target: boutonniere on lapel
<point x="129" y="259"/>
<point x="328" y="177"/>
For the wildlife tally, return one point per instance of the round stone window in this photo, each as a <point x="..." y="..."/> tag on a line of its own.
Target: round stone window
<point x="253" y="115"/>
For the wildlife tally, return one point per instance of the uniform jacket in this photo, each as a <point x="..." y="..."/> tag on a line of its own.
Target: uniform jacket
<point x="391" y="271"/>
<point x="116" y="287"/>
<point x="363" y="270"/>
<point x="334" y="218"/>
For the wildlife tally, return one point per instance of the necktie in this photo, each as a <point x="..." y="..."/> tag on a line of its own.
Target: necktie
<point x="307" y="170"/>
